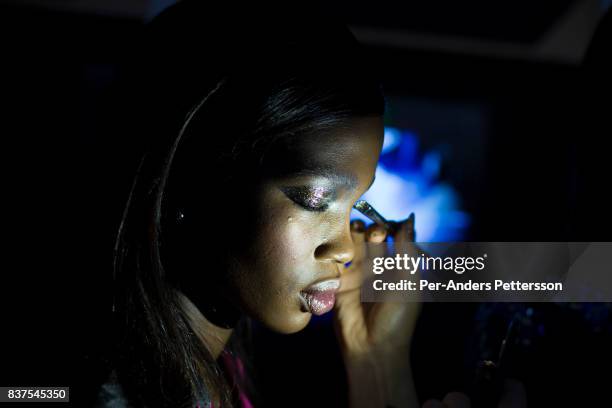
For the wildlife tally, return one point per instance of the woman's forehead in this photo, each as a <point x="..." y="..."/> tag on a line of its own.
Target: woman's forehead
<point x="328" y="153"/>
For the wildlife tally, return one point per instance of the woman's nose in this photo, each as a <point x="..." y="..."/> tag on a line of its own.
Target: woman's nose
<point x="340" y="249"/>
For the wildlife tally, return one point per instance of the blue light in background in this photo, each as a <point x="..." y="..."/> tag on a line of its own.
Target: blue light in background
<point x="408" y="181"/>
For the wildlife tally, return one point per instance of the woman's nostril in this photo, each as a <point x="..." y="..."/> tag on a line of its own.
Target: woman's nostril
<point x="345" y="256"/>
<point x="339" y="253"/>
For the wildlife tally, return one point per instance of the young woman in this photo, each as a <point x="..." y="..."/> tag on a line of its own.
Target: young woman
<point x="261" y="131"/>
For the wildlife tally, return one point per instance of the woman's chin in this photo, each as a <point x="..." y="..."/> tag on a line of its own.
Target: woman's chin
<point x="292" y="323"/>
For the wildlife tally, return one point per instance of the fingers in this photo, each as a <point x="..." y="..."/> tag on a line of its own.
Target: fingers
<point x="375" y="233"/>
<point x="352" y="275"/>
<point x="375" y="236"/>
<point x="406" y="231"/>
<point x="358" y="233"/>
<point x="357" y="226"/>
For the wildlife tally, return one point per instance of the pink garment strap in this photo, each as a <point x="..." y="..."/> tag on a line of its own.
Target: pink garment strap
<point x="235" y="368"/>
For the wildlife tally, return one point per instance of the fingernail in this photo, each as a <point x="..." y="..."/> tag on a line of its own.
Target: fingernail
<point x="374" y="234"/>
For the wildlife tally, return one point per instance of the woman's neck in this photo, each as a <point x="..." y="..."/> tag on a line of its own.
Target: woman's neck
<point x="214" y="337"/>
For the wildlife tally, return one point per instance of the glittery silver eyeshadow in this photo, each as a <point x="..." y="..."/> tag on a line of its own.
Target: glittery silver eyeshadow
<point x="311" y="198"/>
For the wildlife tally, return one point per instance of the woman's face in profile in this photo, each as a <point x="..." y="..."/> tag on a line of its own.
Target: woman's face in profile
<point x="301" y="234"/>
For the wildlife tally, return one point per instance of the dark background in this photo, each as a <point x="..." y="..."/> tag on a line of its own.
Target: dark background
<point x="531" y="67"/>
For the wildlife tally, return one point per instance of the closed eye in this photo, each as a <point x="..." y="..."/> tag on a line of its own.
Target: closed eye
<point x="311" y="198"/>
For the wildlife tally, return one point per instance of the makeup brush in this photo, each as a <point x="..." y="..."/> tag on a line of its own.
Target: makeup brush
<point x="366" y="209"/>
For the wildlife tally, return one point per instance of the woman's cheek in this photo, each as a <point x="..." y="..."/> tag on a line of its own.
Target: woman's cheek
<point x="285" y="265"/>
<point x="296" y="238"/>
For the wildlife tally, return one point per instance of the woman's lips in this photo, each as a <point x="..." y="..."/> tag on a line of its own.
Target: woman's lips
<point x="320" y="297"/>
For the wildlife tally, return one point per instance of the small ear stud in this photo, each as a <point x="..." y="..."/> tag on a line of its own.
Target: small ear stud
<point x="180" y="216"/>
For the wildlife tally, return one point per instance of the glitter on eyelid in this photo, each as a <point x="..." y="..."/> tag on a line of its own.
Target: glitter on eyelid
<point x="312" y="197"/>
<point x="315" y="196"/>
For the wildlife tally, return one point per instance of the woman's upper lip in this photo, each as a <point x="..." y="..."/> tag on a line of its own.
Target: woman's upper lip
<point x="324" y="285"/>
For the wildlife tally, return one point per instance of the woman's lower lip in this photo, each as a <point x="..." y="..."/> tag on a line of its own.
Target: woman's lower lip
<point x="320" y="301"/>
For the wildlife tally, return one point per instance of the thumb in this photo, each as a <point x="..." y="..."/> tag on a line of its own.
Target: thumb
<point x="405" y="231"/>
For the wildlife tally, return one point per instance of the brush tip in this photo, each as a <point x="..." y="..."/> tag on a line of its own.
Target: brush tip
<point x="361" y="205"/>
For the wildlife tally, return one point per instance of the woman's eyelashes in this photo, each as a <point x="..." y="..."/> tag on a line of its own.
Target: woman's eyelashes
<point x="311" y="198"/>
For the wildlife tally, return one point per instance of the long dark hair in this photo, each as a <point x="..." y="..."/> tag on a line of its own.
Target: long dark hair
<point x="208" y="95"/>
